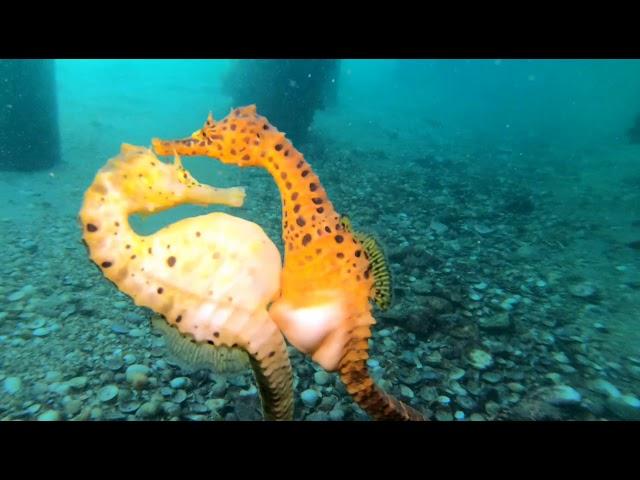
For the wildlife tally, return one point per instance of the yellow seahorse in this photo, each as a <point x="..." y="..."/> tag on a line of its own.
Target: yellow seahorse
<point x="211" y="277"/>
<point x="328" y="277"/>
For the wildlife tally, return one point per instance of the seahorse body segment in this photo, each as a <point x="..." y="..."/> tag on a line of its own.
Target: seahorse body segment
<point x="211" y="277"/>
<point x="327" y="280"/>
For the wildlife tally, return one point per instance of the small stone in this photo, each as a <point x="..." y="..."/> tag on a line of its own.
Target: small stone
<point x="459" y="415"/>
<point x="372" y="363"/>
<point x="215" y="404"/>
<point x="129" y="406"/>
<point x="73" y="407"/>
<point x="78" y="383"/>
<point x="605" y="388"/>
<point x="456" y="374"/>
<point x="49" y="416"/>
<point x="53" y="376"/>
<point x="480" y="359"/>
<point x="310" y="397"/>
<point x="12" y="385"/>
<point x="180" y="396"/>
<point x="170" y="408"/>
<point x="406" y="392"/>
<point x="133" y="317"/>
<point x="238" y="381"/>
<point x="317" y="417"/>
<point x="114" y="363"/>
<point x="562" y="395"/>
<point x="516" y="387"/>
<point x="137" y="375"/>
<point x="148" y="410"/>
<point x="136" y="333"/>
<point x="476" y="417"/>
<point x="560" y="357"/>
<point x="475" y="296"/>
<point x="492" y="408"/>
<point x="129" y="359"/>
<point x="119" y="329"/>
<point x="337" y="415"/>
<point x="321" y="377"/>
<point x="443" y="416"/>
<point x="428" y="394"/>
<point x="41" y="332"/>
<point x="625" y="407"/>
<point x="492" y="377"/>
<point x="20" y="294"/>
<point x="444" y="400"/>
<point x="108" y="393"/>
<point x="584" y="290"/>
<point x="218" y="389"/>
<point x="496" y="323"/>
<point x="434" y="358"/>
<point x="179" y="382"/>
<point x="385" y="332"/>
<point x="33" y="409"/>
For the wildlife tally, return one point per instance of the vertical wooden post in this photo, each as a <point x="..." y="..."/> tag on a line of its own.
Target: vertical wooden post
<point x="29" y="134"/>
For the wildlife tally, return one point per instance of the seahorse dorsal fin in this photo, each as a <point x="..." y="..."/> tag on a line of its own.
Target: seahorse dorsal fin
<point x="192" y="356"/>
<point x="382" y="289"/>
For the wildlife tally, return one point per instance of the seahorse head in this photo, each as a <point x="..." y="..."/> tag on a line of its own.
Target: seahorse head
<point x="151" y="185"/>
<point x="233" y="140"/>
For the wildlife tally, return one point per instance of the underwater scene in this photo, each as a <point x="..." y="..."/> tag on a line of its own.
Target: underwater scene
<point x="320" y="240"/>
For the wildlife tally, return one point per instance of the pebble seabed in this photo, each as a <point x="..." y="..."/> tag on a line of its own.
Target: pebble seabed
<point x="500" y="310"/>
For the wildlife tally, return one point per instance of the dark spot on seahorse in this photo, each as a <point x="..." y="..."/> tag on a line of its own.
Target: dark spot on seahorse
<point x="313" y="187"/>
<point x="320" y="209"/>
<point x="271" y="354"/>
<point x="300" y="221"/>
<point x="278" y="147"/>
<point x="306" y="239"/>
<point x="327" y="229"/>
<point x="288" y="185"/>
<point x="294" y="196"/>
<point x="358" y="252"/>
<point x="339" y="238"/>
<point x="133" y="257"/>
<point x="216" y="334"/>
<point x="149" y="250"/>
<point x="317" y="201"/>
<point x="304" y="173"/>
<point x="178" y="318"/>
<point x="171" y="261"/>
<point x="91" y="227"/>
<point x="210" y="342"/>
<point x="197" y="234"/>
<point x="296" y="208"/>
<point x="106" y="264"/>
<point x="160" y="290"/>
<point x="127" y="246"/>
<point x="340" y="255"/>
<point x="283" y="175"/>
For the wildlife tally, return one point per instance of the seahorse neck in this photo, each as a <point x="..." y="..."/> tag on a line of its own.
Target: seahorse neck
<point x="307" y="213"/>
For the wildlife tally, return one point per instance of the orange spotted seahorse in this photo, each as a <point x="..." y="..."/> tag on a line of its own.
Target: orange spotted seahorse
<point x="211" y="277"/>
<point x="327" y="279"/>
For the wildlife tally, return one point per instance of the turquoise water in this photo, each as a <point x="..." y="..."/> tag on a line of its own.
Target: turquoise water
<point x="505" y="193"/>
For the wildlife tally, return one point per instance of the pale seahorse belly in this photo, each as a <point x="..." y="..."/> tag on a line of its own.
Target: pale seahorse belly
<point x="209" y="276"/>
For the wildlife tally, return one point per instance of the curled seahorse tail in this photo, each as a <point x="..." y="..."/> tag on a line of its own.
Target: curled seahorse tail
<point x="371" y="398"/>
<point x="273" y="374"/>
